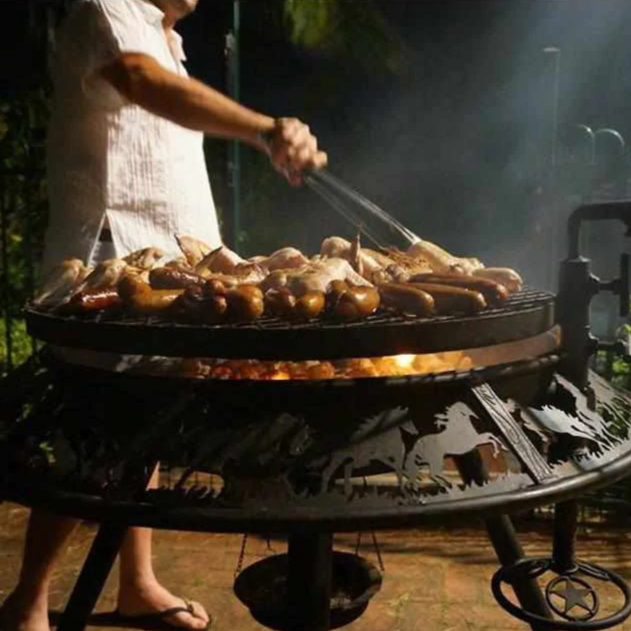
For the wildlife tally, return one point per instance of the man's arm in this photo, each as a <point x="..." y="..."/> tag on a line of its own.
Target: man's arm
<point x="190" y="103"/>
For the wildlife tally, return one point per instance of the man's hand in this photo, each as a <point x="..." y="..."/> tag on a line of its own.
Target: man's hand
<point x="293" y="149"/>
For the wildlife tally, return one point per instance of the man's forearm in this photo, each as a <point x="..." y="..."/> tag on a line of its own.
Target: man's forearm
<point x="185" y="101"/>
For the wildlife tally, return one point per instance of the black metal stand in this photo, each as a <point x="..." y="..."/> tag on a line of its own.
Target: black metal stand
<point x="504" y="540"/>
<point x="92" y="578"/>
<point x="309" y="581"/>
<point x="564" y="543"/>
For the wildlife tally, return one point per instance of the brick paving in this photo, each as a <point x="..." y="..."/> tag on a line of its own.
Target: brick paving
<point x="436" y="579"/>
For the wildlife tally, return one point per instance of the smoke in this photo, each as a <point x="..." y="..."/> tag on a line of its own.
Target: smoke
<point x="462" y="149"/>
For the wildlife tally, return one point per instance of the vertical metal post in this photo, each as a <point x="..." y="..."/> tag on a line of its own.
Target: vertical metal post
<point x="555" y="224"/>
<point x="309" y="581"/>
<point x="554" y="130"/>
<point x="234" y="148"/>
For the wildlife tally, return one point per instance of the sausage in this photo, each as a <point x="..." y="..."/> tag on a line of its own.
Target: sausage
<point x="337" y="287"/>
<point x="281" y="303"/>
<point x="188" y="306"/>
<point x="503" y="275"/>
<point x="196" y="306"/>
<point x="214" y="309"/>
<point x="173" y="278"/>
<point x="493" y="292"/>
<point x="334" y="292"/>
<point x="406" y="299"/>
<point x="449" y="300"/>
<point x="87" y="302"/>
<point x="214" y="287"/>
<point x="310" y="305"/>
<point x="245" y="302"/>
<point x="141" y="298"/>
<point x="357" y="302"/>
<point x="251" y="291"/>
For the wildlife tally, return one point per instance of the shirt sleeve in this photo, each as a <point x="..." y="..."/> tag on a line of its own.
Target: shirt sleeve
<point x="110" y="29"/>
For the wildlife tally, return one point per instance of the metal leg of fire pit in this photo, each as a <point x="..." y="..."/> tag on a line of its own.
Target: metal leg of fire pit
<point x="309" y="581"/>
<point x="504" y="540"/>
<point x="92" y="578"/>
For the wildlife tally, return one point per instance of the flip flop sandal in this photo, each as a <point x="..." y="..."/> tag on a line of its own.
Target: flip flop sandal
<point x="156" y="621"/>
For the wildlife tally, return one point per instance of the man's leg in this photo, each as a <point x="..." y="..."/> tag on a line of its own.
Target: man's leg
<point x="139" y="589"/>
<point x="26" y="608"/>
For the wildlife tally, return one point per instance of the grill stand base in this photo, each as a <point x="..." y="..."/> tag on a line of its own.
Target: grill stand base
<point x="309" y="581"/>
<point x="504" y="541"/>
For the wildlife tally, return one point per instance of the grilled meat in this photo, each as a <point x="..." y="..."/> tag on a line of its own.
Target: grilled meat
<point x="61" y="283"/>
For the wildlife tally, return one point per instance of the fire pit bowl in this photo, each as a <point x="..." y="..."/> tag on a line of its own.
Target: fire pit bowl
<point x="262" y="587"/>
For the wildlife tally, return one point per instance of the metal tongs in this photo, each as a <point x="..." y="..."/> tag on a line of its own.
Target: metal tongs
<point x="340" y="196"/>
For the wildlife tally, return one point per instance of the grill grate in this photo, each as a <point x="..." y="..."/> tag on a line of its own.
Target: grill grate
<point x="524" y="314"/>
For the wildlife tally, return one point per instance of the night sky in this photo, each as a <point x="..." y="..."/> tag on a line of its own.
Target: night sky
<point x="458" y="145"/>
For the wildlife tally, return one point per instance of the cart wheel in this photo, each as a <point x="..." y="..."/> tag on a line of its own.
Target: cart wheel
<point x="572" y="596"/>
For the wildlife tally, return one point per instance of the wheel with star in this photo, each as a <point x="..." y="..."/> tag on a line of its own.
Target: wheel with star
<point x="572" y="597"/>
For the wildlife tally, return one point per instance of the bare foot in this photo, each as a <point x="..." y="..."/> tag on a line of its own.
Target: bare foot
<point x="153" y="598"/>
<point x="18" y="615"/>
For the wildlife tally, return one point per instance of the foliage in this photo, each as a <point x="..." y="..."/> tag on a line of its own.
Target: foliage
<point x="21" y="344"/>
<point x="23" y="208"/>
<point x="353" y="30"/>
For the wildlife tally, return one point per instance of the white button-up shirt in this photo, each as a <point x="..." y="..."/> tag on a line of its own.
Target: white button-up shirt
<point x="110" y="162"/>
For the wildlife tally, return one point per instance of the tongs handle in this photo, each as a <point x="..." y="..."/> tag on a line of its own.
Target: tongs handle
<point x="335" y="192"/>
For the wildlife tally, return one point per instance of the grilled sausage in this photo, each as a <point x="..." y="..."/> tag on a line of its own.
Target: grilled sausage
<point x="503" y="275"/>
<point x="214" y="309"/>
<point x="173" y="278"/>
<point x="310" y="305"/>
<point x="188" y="306"/>
<point x="493" y="292"/>
<point x="357" y="302"/>
<point x="194" y="305"/>
<point x="141" y="298"/>
<point x="449" y="300"/>
<point x="337" y="288"/>
<point x="251" y="291"/>
<point x="281" y="303"/>
<point x="87" y="302"/>
<point x="245" y="303"/>
<point x="214" y="287"/>
<point x="406" y="299"/>
<point x="334" y="291"/>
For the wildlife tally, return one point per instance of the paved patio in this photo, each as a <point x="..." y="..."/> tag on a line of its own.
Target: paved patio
<point x="436" y="580"/>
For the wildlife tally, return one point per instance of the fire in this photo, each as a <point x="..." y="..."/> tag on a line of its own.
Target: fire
<point x="391" y="366"/>
<point x="404" y="361"/>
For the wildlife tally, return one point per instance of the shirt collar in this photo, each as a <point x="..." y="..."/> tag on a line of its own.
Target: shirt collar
<point x="151" y="12"/>
<point x="154" y="15"/>
<point x="177" y="45"/>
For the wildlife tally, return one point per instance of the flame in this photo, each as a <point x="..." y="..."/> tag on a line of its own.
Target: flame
<point x="404" y="361"/>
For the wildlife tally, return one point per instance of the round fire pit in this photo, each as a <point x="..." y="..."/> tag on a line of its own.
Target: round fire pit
<point x="262" y="587"/>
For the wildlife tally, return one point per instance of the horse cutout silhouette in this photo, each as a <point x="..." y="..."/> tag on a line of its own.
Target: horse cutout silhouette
<point x="457" y="437"/>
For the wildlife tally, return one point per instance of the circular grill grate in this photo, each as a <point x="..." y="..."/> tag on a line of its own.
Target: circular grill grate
<point x="524" y="314"/>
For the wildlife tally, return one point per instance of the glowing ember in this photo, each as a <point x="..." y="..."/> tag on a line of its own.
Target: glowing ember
<point x="404" y="361"/>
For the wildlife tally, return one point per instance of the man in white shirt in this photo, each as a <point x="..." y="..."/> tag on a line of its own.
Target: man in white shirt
<point x="127" y="171"/>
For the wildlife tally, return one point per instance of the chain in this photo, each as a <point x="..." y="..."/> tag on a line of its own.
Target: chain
<point x="241" y="556"/>
<point x="378" y="551"/>
<point x="375" y="544"/>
